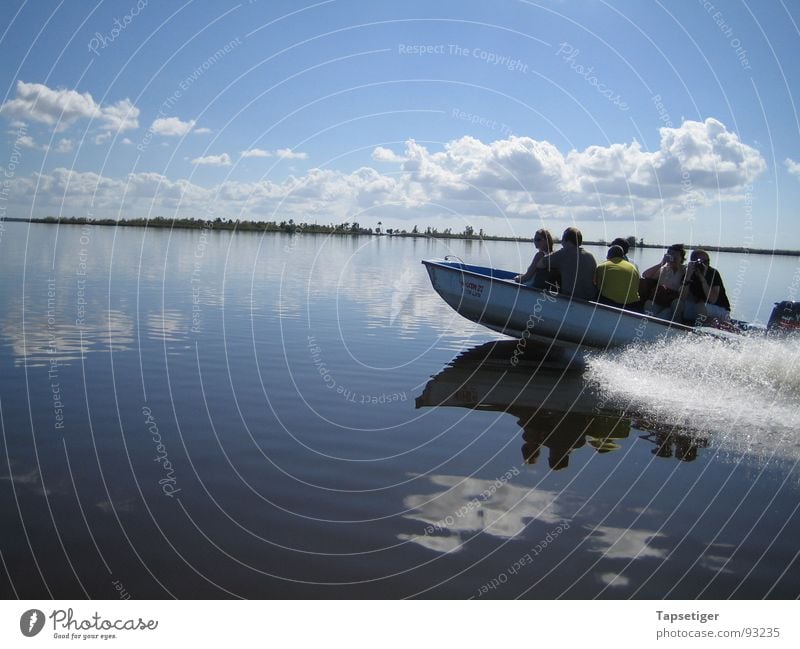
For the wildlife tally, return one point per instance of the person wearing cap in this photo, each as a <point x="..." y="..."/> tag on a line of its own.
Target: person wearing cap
<point x="543" y="241"/>
<point x="669" y="274"/>
<point x="617" y="281"/>
<point x="574" y="265"/>
<point x="703" y="294"/>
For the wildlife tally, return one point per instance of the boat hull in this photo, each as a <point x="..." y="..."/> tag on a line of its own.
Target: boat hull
<point x="490" y="297"/>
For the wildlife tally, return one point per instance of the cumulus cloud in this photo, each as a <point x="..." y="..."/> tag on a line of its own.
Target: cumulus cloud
<point x="64" y="145"/>
<point x="222" y="160"/>
<point x="289" y="154"/>
<point x="255" y="153"/>
<point x="333" y="192"/>
<point x="382" y="154"/>
<point x="171" y="126"/>
<point x="517" y="177"/>
<point x="62" y="107"/>
<point x="694" y="163"/>
<point x="26" y="141"/>
<point x="122" y="116"/>
<point x="792" y="166"/>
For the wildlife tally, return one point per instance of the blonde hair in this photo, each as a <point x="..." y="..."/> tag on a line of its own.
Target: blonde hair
<point x="547" y="237"/>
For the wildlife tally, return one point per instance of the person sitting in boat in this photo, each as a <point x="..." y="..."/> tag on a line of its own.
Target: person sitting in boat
<point x="668" y="276"/>
<point x="622" y="243"/>
<point x="536" y="277"/>
<point x="617" y="281"/>
<point x="703" y="295"/>
<point x="574" y="265"/>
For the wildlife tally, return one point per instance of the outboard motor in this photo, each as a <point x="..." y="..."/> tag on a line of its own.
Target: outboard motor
<point x="785" y="318"/>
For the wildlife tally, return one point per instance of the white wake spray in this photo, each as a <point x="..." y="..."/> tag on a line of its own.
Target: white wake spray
<point x="745" y="394"/>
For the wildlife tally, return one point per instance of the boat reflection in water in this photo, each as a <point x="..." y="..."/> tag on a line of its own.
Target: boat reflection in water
<point x="557" y="408"/>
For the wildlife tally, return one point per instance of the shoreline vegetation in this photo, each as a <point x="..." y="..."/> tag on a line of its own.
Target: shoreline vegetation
<point x="352" y="229"/>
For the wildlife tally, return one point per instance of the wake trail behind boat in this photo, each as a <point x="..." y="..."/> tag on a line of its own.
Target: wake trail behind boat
<point x="745" y="394"/>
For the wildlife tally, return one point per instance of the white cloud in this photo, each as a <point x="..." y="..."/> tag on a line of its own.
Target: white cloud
<point x="505" y="514"/>
<point x="102" y="138"/>
<point x="222" y="160"/>
<point x="625" y="543"/>
<point x="382" y="154"/>
<point x="26" y="141"/>
<point x="519" y="177"/>
<point x="122" y="116"/>
<point x="288" y="154"/>
<point x="62" y="107"/>
<point x="127" y="140"/>
<point x="64" y="146"/>
<point x="255" y="153"/>
<point x="171" y="126"/>
<point x="792" y="166"/>
<point x="39" y="103"/>
<point x="202" y="131"/>
<point x="695" y="163"/>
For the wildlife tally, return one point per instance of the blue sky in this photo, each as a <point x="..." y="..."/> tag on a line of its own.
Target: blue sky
<point x="670" y="121"/>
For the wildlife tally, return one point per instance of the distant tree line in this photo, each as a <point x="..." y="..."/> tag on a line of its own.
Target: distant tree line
<point x="350" y="228"/>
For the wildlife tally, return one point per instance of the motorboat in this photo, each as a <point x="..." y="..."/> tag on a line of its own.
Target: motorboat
<point x="491" y="297"/>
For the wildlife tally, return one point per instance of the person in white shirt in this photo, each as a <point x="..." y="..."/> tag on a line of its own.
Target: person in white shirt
<point x="669" y="274"/>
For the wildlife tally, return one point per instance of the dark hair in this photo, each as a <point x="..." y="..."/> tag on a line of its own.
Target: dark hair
<point x="696" y="253"/>
<point x="547" y="237"/>
<point x="622" y="243"/>
<point x="573" y="236"/>
<point x="615" y="251"/>
<point x="678" y="247"/>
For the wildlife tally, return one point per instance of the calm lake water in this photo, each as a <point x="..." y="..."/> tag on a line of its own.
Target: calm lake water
<point x="210" y="415"/>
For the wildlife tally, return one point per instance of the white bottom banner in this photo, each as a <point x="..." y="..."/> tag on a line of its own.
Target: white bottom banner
<point x="396" y="624"/>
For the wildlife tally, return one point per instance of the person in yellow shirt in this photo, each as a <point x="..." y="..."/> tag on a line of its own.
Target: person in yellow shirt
<point x="617" y="281"/>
